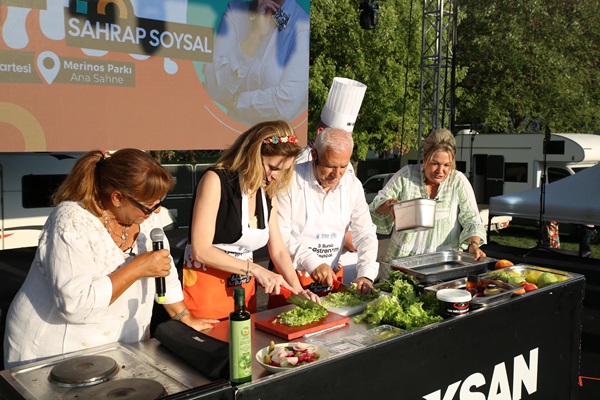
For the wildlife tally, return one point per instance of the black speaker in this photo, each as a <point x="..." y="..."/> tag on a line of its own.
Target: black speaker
<point x="369" y="15"/>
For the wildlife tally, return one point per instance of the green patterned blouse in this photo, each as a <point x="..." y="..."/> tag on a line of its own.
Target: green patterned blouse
<point x="456" y="214"/>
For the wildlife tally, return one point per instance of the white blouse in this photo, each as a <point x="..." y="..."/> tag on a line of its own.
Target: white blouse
<point x="63" y="305"/>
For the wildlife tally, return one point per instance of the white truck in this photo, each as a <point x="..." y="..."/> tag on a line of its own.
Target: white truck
<point x="498" y="164"/>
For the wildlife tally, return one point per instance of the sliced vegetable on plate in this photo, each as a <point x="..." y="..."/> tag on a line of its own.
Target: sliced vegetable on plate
<point x="282" y="357"/>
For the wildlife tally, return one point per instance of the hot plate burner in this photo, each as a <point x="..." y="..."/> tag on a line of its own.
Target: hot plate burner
<point x="83" y="371"/>
<point x="127" y="389"/>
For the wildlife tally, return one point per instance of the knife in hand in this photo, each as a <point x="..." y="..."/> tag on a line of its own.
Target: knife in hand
<point x="297" y="299"/>
<point x="343" y="288"/>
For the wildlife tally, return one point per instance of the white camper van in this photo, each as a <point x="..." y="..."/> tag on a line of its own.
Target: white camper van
<point x="27" y="181"/>
<point x="498" y="164"/>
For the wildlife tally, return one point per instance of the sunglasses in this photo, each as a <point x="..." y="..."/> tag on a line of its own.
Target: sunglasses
<point x="142" y="207"/>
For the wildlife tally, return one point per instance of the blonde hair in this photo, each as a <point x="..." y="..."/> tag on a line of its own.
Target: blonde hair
<point x="246" y="153"/>
<point x="95" y="176"/>
<point x="439" y="140"/>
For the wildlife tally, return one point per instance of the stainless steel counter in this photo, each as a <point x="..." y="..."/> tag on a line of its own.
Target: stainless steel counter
<point x="337" y="341"/>
<point x="543" y="321"/>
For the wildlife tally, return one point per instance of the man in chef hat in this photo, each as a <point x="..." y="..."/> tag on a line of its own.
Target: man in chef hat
<point x="316" y="265"/>
<point x="320" y="204"/>
<point x="340" y="110"/>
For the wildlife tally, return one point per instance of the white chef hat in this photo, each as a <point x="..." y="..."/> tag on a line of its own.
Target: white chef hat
<point x="343" y="103"/>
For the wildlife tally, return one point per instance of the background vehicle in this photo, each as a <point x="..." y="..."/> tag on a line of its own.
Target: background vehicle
<point x="374" y="184"/>
<point x="498" y="164"/>
<point x="27" y="181"/>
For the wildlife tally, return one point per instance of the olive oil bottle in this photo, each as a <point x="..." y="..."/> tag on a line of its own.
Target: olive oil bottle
<point x="240" y="340"/>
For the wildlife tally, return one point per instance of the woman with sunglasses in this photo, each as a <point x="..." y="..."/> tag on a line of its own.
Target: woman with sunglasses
<point x="234" y="214"/>
<point x="91" y="282"/>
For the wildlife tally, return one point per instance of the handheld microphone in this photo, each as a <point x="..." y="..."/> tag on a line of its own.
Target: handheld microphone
<point x="157" y="235"/>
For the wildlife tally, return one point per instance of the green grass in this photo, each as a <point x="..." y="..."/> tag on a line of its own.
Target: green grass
<point x="526" y="237"/>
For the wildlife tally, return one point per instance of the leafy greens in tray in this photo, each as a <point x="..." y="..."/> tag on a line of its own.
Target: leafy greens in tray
<point x="347" y="299"/>
<point x="406" y="307"/>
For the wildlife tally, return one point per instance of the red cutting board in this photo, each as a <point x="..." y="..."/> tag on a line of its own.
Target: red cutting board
<point x="294" y="332"/>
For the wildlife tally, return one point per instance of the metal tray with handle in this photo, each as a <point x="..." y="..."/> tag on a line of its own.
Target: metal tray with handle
<point x="442" y="266"/>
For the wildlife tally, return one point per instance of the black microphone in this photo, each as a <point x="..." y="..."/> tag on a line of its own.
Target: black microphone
<point x="157" y="235"/>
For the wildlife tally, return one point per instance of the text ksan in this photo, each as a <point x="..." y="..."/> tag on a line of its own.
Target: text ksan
<point x="499" y="386"/>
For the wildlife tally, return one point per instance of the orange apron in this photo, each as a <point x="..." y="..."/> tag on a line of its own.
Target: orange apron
<point x="208" y="291"/>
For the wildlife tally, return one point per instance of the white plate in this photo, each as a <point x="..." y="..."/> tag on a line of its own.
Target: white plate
<point x="322" y="351"/>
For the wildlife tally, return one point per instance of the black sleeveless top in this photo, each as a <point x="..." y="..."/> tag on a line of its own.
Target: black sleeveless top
<point x="228" y="226"/>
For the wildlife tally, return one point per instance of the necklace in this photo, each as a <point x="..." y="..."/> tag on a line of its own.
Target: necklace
<point x="109" y="229"/>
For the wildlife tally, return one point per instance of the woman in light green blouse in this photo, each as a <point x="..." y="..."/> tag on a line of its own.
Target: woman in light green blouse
<point x="458" y="225"/>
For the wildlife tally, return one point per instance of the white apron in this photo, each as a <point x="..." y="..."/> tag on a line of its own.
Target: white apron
<point x="324" y="230"/>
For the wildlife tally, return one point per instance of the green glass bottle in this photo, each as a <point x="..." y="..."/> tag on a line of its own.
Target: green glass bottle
<point x="240" y="340"/>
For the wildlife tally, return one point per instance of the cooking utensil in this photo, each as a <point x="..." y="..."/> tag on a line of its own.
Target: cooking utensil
<point x="343" y="288"/>
<point x="297" y="299"/>
<point x="414" y="215"/>
<point x="323" y="331"/>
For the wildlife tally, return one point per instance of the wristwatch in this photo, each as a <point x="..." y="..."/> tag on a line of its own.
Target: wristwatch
<point x="472" y="242"/>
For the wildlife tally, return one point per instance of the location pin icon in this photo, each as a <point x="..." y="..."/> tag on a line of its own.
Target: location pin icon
<point x="49" y="65"/>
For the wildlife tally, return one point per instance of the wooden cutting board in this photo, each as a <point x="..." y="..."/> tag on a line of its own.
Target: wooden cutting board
<point x="294" y="332"/>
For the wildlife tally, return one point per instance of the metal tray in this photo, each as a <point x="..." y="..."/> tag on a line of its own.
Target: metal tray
<point x="523" y="269"/>
<point x="441" y="266"/>
<point x="506" y="291"/>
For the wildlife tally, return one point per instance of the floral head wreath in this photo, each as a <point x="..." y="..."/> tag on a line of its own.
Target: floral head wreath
<point x="281" y="139"/>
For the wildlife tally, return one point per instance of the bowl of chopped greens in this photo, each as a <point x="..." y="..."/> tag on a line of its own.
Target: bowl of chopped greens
<point x="285" y="356"/>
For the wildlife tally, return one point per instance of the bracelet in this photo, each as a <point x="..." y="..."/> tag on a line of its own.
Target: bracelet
<point x="471" y="243"/>
<point x="181" y="314"/>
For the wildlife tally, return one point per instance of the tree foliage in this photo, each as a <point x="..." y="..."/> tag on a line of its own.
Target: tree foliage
<point x="386" y="59"/>
<point x="529" y="64"/>
<point x="521" y="65"/>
